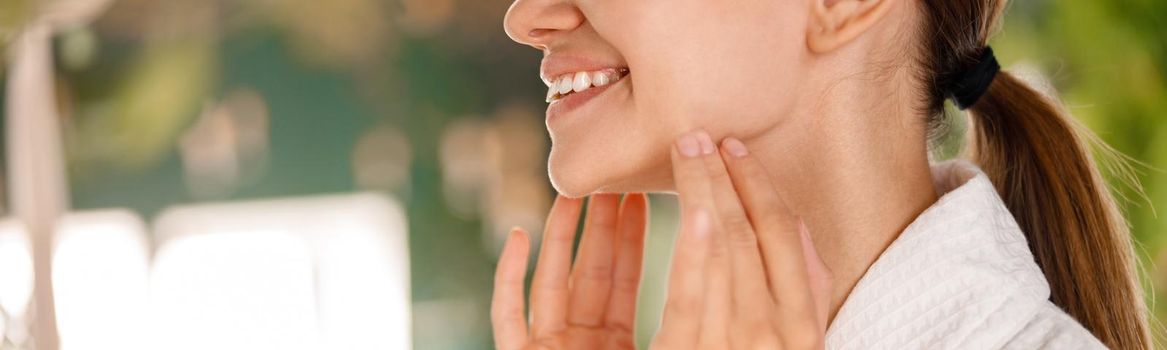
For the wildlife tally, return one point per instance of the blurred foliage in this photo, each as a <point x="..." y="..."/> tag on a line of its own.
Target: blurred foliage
<point x="153" y="81"/>
<point x="13" y="14"/>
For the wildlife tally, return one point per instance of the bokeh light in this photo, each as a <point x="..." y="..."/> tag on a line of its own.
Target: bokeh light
<point x="100" y="280"/>
<point x="305" y="273"/>
<point x="15" y="268"/>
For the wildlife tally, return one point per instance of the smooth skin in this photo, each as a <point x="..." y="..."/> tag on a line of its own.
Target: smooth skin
<point x="824" y="92"/>
<point x="744" y="275"/>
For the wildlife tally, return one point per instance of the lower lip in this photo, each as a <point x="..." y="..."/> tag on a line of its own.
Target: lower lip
<point x="570" y="103"/>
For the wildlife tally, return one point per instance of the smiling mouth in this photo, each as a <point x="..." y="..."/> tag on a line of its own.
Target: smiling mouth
<point x="568" y="84"/>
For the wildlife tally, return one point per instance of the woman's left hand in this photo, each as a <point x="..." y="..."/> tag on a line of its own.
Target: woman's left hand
<point x="591" y="305"/>
<point x="745" y="274"/>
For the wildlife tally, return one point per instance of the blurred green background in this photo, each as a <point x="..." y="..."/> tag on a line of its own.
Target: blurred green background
<point x="167" y="102"/>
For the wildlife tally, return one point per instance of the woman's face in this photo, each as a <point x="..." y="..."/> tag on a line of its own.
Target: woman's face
<point x="731" y="67"/>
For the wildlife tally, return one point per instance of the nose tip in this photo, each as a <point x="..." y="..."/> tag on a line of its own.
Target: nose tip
<point x="538" y="23"/>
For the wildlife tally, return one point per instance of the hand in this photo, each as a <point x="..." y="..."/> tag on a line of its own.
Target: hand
<point x="590" y="306"/>
<point x="744" y="273"/>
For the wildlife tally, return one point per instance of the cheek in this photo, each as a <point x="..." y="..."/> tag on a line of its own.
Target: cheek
<point x="727" y="66"/>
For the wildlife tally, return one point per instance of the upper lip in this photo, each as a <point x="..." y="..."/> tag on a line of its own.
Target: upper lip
<point x="555" y="66"/>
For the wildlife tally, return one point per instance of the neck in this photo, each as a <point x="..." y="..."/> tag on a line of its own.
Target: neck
<point x="857" y="177"/>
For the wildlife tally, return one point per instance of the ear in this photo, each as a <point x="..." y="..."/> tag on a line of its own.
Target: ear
<point x="834" y="23"/>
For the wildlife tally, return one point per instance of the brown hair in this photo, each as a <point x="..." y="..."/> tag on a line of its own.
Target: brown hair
<point x="1041" y="164"/>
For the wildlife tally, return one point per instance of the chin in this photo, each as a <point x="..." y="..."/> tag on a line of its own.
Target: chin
<point x="575" y="176"/>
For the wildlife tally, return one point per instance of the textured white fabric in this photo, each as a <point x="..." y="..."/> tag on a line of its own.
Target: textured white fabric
<point x="959" y="277"/>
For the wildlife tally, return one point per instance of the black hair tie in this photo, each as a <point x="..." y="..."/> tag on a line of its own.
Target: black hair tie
<point x="972" y="83"/>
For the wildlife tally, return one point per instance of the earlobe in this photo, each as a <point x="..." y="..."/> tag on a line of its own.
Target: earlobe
<point x="834" y="23"/>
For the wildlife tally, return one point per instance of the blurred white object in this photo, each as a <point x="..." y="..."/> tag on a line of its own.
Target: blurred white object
<point x="35" y="164"/>
<point x="100" y="274"/>
<point x="234" y="290"/>
<point x="16" y="283"/>
<point x="36" y="170"/>
<point x="15" y="268"/>
<point x="305" y="273"/>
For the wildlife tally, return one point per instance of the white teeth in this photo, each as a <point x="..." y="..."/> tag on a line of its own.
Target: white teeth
<point x="565" y="83"/>
<point x="600" y="79"/>
<point x="583" y="81"/>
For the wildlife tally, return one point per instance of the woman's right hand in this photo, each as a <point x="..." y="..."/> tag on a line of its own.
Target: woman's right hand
<point x="589" y="306"/>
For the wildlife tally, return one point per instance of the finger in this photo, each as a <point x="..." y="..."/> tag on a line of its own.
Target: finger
<point x="747" y="274"/>
<point x="718" y="311"/>
<point x="821" y="278"/>
<point x="694" y="186"/>
<point x="506" y="308"/>
<point x="685" y="301"/>
<point x="549" y="290"/>
<point x="629" y="262"/>
<point x="777" y="227"/>
<point x="591" y="279"/>
<point x="695" y="189"/>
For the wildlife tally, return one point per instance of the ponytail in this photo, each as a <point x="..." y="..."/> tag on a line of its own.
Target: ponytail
<point x="1040" y="162"/>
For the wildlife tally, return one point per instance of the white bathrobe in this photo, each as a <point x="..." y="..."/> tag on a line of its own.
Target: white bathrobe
<point x="959" y="277"/>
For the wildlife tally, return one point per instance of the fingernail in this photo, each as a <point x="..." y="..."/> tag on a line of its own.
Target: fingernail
<point x="735" y="147"/>
<point x="688" y="145"/>
<point x="516" y="234"/>
<point x="707" y="146"/>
